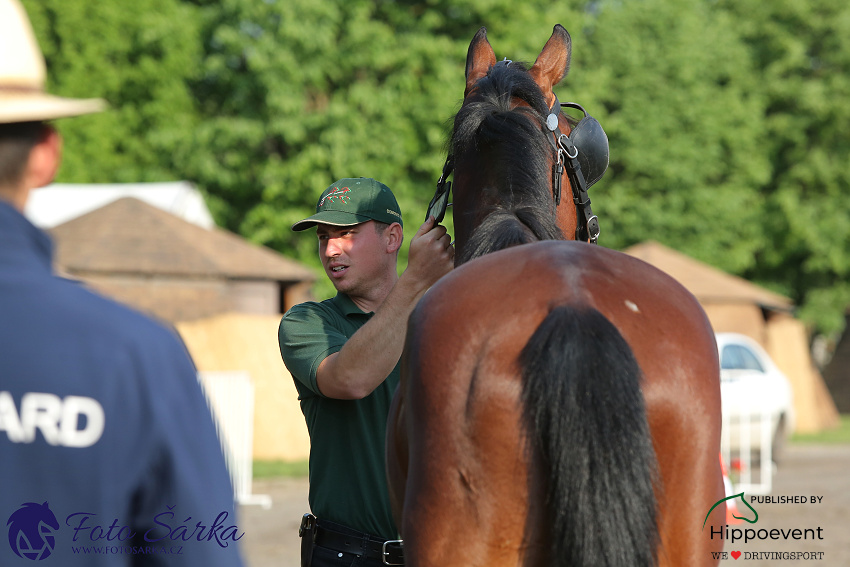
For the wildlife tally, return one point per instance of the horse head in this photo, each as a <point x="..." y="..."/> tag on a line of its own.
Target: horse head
<point x="514" y="153"/>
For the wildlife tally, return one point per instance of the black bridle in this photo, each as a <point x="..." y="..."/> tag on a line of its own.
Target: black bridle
<point x="586" y="145"/>
<point x="567" y="152"/>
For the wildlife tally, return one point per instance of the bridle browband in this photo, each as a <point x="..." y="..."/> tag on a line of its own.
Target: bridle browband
<point x="567" y="154"/>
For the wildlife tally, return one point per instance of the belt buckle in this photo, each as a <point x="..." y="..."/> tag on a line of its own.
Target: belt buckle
<point x="385" y="554"/>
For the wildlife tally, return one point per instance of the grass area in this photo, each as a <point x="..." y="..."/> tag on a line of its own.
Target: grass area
<point x="841" y="434"/>
<point x="271" y="469"/>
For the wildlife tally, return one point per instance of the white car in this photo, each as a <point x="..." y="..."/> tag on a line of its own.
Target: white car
<point x="753" y="392"/>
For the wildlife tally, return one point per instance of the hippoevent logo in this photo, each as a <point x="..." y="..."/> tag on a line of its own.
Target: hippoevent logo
<point x="722" y="500"/>
<point x="33" y="532"/>
<point x="748" y="535"/>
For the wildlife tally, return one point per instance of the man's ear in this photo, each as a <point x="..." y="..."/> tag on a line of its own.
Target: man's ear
<point x="395" y="236"/>
<point x="44" y="159"/>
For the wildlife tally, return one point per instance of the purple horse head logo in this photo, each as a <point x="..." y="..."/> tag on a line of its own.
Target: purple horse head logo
<point x="31" y="531"/>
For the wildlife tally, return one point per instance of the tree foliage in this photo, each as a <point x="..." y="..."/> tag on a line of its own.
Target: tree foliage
<point x="801" y="58"/>
<point x="138" y="56"/>
<point x="673" y="86"/>
<point x="727" y="120"/>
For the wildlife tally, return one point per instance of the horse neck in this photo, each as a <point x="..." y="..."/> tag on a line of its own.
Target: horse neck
<point x="469" y="208"/>
<point x="485" y="221"/>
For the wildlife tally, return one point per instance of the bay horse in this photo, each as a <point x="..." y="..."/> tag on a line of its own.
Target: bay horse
<point x="559" y="401"/>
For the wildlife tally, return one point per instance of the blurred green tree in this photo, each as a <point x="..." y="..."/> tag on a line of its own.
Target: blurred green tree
<point x="801" y="58"/>
<point x="674" y="88"/>
<point x="300" y="93"/>
<point x="137" y="55"/>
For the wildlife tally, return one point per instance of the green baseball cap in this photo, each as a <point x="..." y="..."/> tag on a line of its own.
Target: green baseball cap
<point x="351" y="201"/>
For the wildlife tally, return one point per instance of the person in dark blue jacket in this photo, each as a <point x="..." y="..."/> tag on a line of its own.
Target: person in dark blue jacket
<point x="108" y="452"/>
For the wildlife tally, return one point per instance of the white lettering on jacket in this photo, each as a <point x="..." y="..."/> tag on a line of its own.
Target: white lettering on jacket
<point x="58" y="419"/>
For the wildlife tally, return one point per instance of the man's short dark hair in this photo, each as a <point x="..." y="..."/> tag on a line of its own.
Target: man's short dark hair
<point x="380" y="227"/>
<point x="16" y="142"/>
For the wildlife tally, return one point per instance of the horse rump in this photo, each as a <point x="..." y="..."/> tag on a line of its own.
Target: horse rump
<point x="585" y="419"/>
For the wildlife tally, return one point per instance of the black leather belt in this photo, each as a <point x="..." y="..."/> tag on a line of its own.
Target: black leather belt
<point x="342" y="539"/>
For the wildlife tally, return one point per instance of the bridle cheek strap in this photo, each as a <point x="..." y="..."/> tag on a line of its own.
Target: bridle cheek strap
<point x="566" y="155"/>
<point x="587" y="227"/>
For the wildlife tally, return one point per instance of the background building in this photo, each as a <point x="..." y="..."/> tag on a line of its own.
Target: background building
<point x="736" y="305"/>
<point x="156" y="248"/>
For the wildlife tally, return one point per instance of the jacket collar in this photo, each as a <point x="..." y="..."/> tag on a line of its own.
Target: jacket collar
<point x="17" y="234"/>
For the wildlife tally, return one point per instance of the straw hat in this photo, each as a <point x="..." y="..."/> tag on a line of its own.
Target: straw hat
<point x="23" y="74"/>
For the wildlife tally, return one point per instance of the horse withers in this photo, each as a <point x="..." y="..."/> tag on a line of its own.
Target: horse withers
<point x="560" y="402"/>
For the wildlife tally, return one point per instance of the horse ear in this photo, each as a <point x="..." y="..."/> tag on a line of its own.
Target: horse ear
<point x="479" y="59"/>
<point x="553" y="63"/>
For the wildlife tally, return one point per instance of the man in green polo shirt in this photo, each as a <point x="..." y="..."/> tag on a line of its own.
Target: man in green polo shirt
<point x="343" y="354"/>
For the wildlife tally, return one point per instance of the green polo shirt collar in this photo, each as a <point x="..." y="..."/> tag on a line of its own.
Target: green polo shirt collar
<point x="347" y="307"/>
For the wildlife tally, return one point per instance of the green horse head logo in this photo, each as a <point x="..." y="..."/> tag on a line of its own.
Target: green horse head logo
<point x="741" y="496"/>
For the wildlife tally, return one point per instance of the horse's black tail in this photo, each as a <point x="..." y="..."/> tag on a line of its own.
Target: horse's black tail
<point x="585" y="417"/>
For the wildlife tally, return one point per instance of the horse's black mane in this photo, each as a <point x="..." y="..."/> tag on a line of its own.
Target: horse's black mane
<point x="514" y="147"/>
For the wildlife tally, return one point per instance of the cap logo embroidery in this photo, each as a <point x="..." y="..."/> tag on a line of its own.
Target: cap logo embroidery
<point x="338" y="194"/>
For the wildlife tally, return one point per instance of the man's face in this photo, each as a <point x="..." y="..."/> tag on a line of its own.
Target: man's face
<point x="354" y="257"/>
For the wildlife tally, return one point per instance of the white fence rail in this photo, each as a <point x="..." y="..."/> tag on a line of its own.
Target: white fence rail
<point x="746" y="446"/>
<point x="230" y="396"/>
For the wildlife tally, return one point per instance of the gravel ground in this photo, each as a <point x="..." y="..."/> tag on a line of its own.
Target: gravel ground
<point x="271" y="536"/>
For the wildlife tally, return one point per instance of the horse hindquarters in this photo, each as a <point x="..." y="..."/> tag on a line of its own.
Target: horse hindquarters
<point x="467" y="491"/>
<point x="585" y="418"/>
